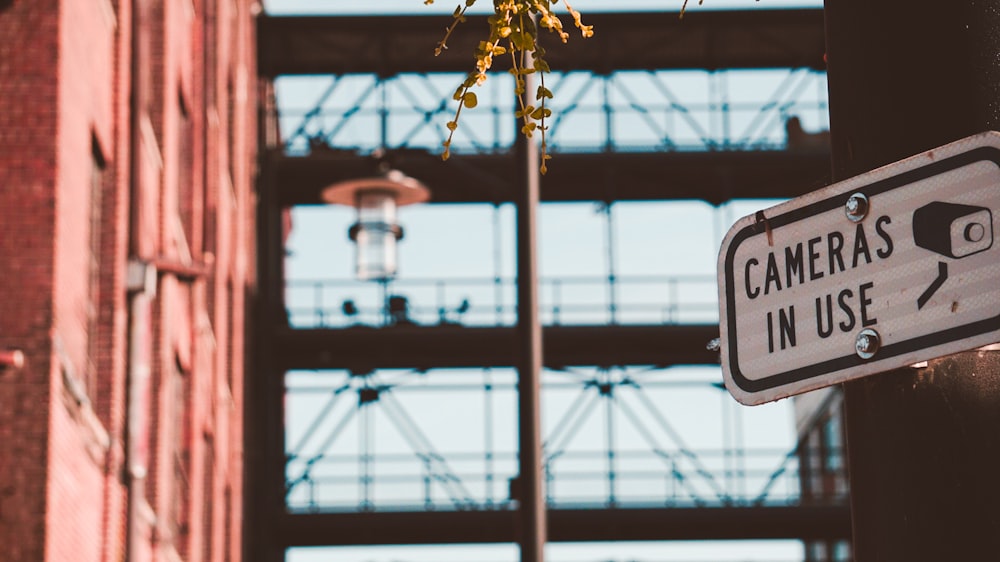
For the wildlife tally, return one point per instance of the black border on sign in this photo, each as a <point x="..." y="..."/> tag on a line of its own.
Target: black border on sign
<point x="983" y="153"/>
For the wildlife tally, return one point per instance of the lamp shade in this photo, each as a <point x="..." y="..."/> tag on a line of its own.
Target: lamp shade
<point x="376" y="231"/>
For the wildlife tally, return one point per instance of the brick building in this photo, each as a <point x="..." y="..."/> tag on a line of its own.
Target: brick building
<point x="127" y="140"/>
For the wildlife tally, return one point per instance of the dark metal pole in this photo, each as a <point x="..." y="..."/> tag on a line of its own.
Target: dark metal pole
<point x="531" y="495"/>
<point x="923" y="444"/>
<point x="264" y="415"/>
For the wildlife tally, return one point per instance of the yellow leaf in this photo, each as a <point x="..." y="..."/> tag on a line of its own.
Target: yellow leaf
<point x="541" y="113"/>
<point x="470" y="99"/>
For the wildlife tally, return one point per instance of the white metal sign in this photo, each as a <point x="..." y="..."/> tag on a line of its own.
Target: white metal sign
<point x="886" y="269"/>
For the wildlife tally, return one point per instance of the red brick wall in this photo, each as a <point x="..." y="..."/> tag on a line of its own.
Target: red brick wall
<point x="174" y="192"/>
<point x="28" y="56"/>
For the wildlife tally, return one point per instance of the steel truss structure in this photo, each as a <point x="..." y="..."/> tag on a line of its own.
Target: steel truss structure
<point x="656" y="467"/>
<point x="652" y="140"/>
<point x="715" y="150"/>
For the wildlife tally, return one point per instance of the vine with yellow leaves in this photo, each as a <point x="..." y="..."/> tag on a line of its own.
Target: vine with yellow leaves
<point x="514" y="32"/>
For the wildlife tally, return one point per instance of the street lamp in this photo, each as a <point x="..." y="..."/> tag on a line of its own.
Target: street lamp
<point x="376" y="231"/>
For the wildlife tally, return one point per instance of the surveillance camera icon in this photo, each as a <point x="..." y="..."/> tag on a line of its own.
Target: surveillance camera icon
<point x="953" y="230"/>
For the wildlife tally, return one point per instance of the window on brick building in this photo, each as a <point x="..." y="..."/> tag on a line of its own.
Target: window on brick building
<point x="230" y="128"/>
<point x="208" y="505"/>
<point x="227" y="534"/>
<point x="232" y="318"/>
<point x="212" y="143"/>
<point x="98" y="167"/>
<point x="185" y="171"/>
<point x="180" y="458"/>
<point x="210" y="174"/>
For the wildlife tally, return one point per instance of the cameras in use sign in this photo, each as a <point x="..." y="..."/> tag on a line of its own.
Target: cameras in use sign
<point x="892" y="267"/>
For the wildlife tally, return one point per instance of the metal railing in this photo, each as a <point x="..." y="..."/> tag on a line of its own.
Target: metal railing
<point x="471" y="481"/>
<point x="638" y="299"/>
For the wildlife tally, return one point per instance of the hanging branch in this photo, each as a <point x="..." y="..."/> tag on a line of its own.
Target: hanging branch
<point x="513" y="31"/>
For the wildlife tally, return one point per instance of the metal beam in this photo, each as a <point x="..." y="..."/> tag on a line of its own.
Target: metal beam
<point x="263" y="414"/>
<point x="362" y="348"/>
<point x="831" y="522"/>
<point x="712" y="176"/>
<point x="388" y="46"/>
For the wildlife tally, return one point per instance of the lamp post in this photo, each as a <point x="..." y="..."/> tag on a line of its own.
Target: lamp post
<point x="533" y="524"/>
<point x="376" y="230"/>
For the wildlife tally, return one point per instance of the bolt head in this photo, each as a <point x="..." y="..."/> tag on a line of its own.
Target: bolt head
<point x="867" y="343"/>
<point x="856" y="207"/>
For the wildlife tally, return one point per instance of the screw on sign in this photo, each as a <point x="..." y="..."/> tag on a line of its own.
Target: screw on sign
<point x="880" y="271"/>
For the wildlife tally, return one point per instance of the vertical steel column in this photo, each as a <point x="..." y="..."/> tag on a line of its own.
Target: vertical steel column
<point x="531" y="498"/>
<point x="923" y="444"/>
<point x="264" y="416"/>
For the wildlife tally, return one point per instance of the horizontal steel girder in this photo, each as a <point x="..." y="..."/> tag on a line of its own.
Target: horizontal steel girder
<point x="568" y="525"/>
<point x="362" y="349"/>
<point x="390" y="45"/>
<point x="712" y="176"/>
